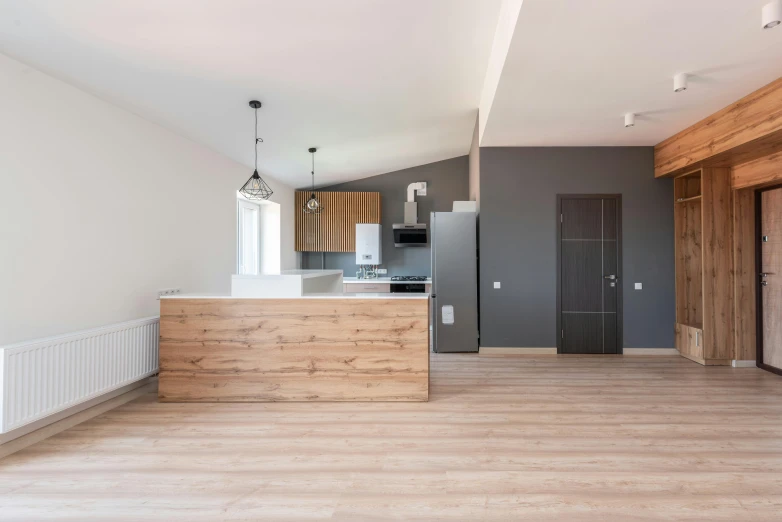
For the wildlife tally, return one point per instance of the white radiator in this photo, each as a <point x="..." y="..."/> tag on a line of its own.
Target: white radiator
<point x="42" y="377"/>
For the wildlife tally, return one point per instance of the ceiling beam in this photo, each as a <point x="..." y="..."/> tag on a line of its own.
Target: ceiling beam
<point x="741" y="132"/>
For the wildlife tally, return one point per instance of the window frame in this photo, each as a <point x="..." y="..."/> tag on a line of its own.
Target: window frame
<point x="240" y="204"/>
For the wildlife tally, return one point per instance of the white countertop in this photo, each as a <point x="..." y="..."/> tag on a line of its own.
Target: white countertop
<point x="385" y="280"/>
<point x="287" y="283"/>
<point x="359" y="295"/>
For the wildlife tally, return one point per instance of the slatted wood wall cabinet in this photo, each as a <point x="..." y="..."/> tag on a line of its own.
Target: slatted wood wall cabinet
<point x="334" y="229"/>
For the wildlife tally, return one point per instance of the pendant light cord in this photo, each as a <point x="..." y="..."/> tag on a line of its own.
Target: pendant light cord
<point x="257" y="139"/>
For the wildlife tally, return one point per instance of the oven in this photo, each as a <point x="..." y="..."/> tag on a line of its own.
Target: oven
<point x="408" y="288"/>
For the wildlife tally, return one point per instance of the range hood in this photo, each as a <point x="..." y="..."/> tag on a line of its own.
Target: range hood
<point x="411" y="233"/>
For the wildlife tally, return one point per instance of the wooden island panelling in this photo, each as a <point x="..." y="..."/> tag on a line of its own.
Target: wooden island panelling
<point x="329" y="349"/>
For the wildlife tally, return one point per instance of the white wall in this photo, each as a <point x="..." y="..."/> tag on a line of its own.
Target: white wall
<point x="475" y="165"/>
<point x="503" y="35"/>
<point x="99" y="209"/>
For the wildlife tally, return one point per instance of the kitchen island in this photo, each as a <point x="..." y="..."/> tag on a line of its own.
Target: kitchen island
<point x="317" y="347"/>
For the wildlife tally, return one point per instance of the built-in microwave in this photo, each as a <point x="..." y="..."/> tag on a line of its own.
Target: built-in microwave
<point x="410" y="235"/>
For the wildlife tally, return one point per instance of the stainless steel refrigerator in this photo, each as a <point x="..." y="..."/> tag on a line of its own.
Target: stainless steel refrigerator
<point x="454" y="282"/>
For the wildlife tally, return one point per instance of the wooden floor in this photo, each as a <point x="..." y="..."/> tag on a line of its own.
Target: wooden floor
<point x="570" y="438"/>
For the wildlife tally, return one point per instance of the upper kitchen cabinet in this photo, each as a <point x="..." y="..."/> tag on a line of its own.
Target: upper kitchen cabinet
<point x="334" y="228"/>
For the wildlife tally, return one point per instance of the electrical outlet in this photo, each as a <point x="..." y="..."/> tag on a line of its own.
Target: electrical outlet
<point x="168" y="291"/>
<point x="496" y="284"/>
<point x="382" y="271"/>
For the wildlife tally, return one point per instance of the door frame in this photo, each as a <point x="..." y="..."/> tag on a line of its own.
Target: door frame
<point x="758" y="288"/>
<point x="620" y="274"/>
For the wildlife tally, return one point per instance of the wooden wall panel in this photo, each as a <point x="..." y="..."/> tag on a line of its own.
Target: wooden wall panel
<point x="718" y="312"/>
<point x="689" y="259"/>
<point x="745" y="274"/>
<point x="334" y="229"/>
<point x="763" y="171"/>
<point x="263" y="350"/>
<point x="741" y="132"/>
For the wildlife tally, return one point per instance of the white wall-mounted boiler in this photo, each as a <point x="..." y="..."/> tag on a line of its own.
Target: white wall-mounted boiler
<point x="368" y="244"/>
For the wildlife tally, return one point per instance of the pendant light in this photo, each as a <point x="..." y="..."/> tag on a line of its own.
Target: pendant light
<point x="256" y="188"/>
<point x="313" y="206"/>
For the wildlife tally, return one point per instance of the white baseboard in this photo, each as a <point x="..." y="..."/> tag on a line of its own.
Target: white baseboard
<point x="651" y="351"/>
<point x="744" y="364"/>
<point x="486" y="350"/>
<point x="111" y="400"/>
<point x="70" y="414"/>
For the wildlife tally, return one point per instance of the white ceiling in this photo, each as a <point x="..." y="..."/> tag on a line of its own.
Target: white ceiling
<point x="381" y="85"/>
<point x="574" y="68"/>
<point x="376" y="85"/>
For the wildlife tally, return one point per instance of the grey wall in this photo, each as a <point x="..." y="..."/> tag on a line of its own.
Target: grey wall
<point x="447" y="181"/>
<point x="518" y="240"/>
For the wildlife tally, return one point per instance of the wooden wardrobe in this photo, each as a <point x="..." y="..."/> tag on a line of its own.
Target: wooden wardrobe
<point x="704" y="271"/>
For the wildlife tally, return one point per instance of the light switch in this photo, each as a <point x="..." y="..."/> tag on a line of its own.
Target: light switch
<point x="496" y="284"/>
<point x="639" y="286"/>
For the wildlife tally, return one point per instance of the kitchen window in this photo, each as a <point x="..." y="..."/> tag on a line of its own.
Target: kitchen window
<point x="248" y="237"/>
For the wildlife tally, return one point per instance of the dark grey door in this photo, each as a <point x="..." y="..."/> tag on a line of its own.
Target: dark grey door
<point x="589" y="283"/>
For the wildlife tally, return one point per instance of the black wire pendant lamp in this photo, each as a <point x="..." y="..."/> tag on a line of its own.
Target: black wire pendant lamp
<point x="256" y="188"/>
<point x="313" y="206"/>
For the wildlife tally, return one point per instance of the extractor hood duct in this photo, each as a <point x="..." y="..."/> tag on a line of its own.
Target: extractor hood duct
<point x="411" y="233"/>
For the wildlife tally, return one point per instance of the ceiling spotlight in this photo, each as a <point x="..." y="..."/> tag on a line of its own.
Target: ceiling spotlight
<point x="772" y="14"/>
<point x="629" y="119"/>
<point x="680" y="82"/>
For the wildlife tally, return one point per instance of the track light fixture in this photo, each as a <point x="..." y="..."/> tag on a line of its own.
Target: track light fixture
<point x="680" y="82"/>
<point x="772" y="14"/>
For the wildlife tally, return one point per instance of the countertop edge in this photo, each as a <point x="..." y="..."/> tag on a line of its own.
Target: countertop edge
<point x="383" y="280"/>
<point x="358" y="295"/>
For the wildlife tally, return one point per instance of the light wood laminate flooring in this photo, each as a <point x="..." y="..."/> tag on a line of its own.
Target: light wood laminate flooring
<point x="573" y="438"/>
